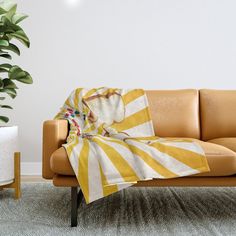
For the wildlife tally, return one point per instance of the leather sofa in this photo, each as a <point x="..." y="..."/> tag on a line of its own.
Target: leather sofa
<point x="206" y="116"/>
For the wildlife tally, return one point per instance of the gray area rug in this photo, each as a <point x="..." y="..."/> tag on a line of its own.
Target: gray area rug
<point x="45" y="210"/>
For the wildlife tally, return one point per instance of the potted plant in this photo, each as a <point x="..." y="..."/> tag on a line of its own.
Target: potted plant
<point x="10" y="75"/>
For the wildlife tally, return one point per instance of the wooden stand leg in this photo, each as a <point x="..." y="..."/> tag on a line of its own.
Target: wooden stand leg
<point x="17" y="182"/>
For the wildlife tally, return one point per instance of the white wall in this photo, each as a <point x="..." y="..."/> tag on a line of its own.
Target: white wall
<point x="153" y="44"/>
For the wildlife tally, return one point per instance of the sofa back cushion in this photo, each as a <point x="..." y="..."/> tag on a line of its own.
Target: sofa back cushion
<point x="218" y="113"/>
<point x="175" y="113"/>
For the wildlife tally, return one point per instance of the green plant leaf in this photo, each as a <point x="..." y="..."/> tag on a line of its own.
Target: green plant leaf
<point x="20" y="75"/>
<point x="22" y="37"/>
<point x="2" y="98"/>
<point x="2" y="11"/>
<point x="1" y="83"/>
<point x="8" y="26"/>
<point x="5" y="65"/>
<point x="26" y="79"/>
<point x="6" y="106"/>
<point x="12" y="48"/>
<point x="14" y="71"/>
<point x="4" y="119"/>
<point x="7" y="5"/>
<point x="7" y="56"/>
<point x="7" y="83"/>
<point x="5" y="30"/>
<point x="3" y="70"/>
<point x="18" y="17"/>
<point x="4" y="42"/>
<point x="11" y="12"/>
<point x="11" y="92"/>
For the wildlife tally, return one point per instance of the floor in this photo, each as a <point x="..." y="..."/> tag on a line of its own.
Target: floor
<point x="45" y="210"/>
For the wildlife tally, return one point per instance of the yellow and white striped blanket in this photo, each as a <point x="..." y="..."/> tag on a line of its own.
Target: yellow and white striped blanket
<point x="111" y="144"/>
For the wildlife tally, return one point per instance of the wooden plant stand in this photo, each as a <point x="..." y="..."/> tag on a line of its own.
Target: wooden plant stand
<point x="17" y="183"/>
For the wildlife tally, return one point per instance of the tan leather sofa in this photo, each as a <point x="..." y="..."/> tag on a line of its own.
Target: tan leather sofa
<point x="205" y="116"/>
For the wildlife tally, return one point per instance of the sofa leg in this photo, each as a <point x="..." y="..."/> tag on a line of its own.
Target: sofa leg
<point x="76" y="199"/>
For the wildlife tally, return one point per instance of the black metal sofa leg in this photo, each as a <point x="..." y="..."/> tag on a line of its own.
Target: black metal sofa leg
<point x="76" y="199"/>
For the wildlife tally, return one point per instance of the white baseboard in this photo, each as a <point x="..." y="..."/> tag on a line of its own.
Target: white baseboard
<point x="31" y="168"/>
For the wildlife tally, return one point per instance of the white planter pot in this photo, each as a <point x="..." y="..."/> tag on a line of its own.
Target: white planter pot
<point x="8" y="145"/>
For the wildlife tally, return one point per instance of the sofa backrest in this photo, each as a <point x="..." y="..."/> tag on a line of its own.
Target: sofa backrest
<point x="218" y="113"/>
<point x="175" y="113"/>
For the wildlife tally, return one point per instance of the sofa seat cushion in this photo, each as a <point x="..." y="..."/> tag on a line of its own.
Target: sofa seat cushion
<point x="226" y="142"/>
<point x="221" y="160"/>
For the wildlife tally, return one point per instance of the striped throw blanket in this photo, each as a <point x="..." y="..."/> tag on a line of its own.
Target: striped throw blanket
<point x="111" y="143"/>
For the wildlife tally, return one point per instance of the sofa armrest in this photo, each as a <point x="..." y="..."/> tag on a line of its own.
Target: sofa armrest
<point x="55" y="133"/>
